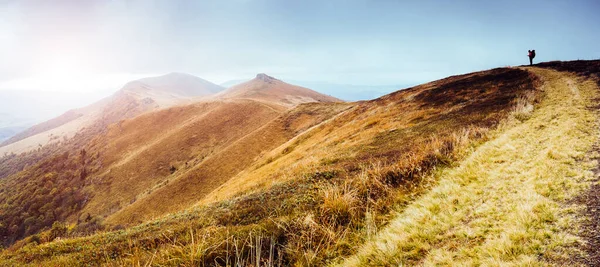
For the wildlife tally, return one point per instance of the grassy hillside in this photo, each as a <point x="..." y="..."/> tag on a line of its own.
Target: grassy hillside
<point x="232" y="139"/>
<point x="328" y="182"/>
<point x="391" y="130"/>
<point x="97" y="179"/>
<point x="154" y="150"/>
<point x="133" y="99"/>
<point x="170" y="158"/>
<point x="510" y="200"/>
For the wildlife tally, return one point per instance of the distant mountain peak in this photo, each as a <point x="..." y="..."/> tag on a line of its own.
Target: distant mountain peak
<point x="264" y="77"/>
<point x="177" y="83"/>
<point x="179" y="74"/>
<point x="270" y="89"/>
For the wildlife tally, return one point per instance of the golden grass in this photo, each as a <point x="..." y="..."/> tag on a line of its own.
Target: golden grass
<point x="197" y="181"/>
<point x="321" y="194"/>
<point x="137" y="156"/>
<point x="505" y="204"/>
<point x="400" y="127"/>
<point x="269" y="169"/>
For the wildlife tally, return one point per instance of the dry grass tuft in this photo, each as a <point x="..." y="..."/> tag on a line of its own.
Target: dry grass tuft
<point x="524" y="106"/>
<point x="339" y="204"/>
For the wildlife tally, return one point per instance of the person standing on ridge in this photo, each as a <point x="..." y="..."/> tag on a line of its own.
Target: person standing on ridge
<point x="531" y="55"/>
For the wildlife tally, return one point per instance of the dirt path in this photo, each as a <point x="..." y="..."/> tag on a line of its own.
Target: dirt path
<point x="590" y="201"/>
<point x="591" y="227"/>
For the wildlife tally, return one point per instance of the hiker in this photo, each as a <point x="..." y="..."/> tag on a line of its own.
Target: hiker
<point x="531" y="55"/>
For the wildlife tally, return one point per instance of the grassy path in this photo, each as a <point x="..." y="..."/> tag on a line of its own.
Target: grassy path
<point x="506" y="204"/>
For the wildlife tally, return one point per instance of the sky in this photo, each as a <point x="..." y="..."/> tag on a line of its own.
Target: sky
<point x="94" y="45"/>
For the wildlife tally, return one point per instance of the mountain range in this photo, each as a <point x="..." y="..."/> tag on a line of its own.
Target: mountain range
<point x="134" y="98"/>
<point x="481" y="168"/>
<point x="177" y="131"/>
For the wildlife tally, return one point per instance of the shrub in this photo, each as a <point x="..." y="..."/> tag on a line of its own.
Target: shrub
<point x="58" y="229"/>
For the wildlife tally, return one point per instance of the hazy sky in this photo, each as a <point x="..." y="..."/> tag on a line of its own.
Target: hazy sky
<point x="77" y="45"/>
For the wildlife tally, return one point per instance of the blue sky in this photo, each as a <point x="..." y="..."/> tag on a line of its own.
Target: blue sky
<point x="68" y="43"/>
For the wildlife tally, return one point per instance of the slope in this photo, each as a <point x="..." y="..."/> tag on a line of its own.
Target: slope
<point x="384" y="130"/>
<point x="169" y="158"/>
<point x="204" y="146"/>
<point x="134" y="98"/>
<point x="509" y="198"/>
<point x="161" y="146"/>
<point x="312" y="199"/>
<point x="194" y="180"/>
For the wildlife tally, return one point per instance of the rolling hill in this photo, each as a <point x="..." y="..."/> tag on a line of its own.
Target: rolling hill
<point x="179" y="153"/>
<point x="180" y="84"/>
<point x="476" y="169"/>
<point x="133" y="99"/>
<point x="21" y="109"/>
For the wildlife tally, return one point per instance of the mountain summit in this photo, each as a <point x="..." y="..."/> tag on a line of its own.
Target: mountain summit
<point x="169" y="89"/>
<point x="267" y="88"/>
<point x="266" y="78"/>
<point x="180" y="84"/>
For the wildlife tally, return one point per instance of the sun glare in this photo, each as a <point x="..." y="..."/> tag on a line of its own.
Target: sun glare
<point x="64" y="72"/>
<point x="61" y="72"/>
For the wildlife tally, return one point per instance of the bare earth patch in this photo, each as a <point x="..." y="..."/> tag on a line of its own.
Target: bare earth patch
<point x="590" y="231"/>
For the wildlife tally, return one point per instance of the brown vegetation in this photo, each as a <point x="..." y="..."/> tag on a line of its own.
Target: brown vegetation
<point x="325" y="177"/>
<point x="585" y="68"/>
<point x="172" y="157"/>
<point x="205" y="154"/>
